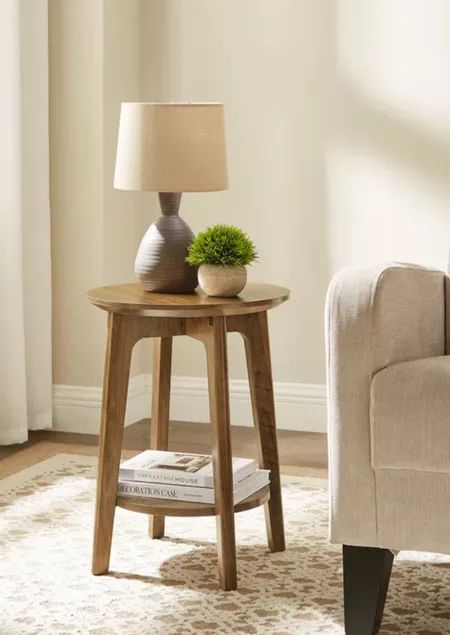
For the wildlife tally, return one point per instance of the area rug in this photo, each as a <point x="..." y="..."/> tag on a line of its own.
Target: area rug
<point x="169" y="587"/>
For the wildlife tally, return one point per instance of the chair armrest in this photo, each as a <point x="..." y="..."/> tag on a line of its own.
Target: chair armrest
<point x="374" y="317"/>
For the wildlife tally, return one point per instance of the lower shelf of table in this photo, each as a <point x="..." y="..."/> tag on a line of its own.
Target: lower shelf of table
<point x="162" y="507"/>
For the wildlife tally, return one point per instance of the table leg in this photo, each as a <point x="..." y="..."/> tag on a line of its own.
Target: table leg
<point x="120" y="343"/>
<point x="159" y="431"/>
<point x="257" y="351"/>
<point x="216" y="352"/>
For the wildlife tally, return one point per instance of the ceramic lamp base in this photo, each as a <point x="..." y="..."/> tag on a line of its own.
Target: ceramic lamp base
<point x="161" y="259"/>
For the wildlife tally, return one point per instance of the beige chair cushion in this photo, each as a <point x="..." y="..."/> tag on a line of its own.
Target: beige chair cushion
<point x="410" y="416"/>
<point x="375" y="317"/>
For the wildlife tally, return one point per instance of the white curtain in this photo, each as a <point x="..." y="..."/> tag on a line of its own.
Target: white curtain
<point x="25" y="281"/>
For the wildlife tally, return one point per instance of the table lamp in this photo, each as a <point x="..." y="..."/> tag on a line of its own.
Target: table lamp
<point x="170" y="148"/>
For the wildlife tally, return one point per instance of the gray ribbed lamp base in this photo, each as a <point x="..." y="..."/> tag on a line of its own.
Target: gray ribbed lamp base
<point x="161" y="259"/>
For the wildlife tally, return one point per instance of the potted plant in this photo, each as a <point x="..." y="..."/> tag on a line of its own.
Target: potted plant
<point x="222" y="253"/>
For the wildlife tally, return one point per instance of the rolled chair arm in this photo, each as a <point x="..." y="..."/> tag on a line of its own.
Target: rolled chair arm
<point x="374" y="317"/>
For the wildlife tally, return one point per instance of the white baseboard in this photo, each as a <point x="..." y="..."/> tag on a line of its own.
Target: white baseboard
<point x="77" y="408"/>
<point x="298" y="406"/>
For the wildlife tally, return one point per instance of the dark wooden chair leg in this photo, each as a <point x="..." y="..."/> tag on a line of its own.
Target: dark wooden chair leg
<point x="367" y="571"/>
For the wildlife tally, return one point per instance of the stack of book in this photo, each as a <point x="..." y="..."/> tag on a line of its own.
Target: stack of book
<point x="185" y="477"/>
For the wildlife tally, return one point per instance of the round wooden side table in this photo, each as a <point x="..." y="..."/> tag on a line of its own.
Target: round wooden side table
<point x="134" y="314"/>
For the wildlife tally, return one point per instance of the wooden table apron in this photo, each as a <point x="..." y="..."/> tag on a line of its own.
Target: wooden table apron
<point x="134" y="315"/>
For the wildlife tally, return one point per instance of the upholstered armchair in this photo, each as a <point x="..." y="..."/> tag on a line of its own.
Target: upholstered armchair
<point x="389" y="426"/>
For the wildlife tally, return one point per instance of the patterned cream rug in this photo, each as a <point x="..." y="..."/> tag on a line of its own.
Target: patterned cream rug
<point x="169" y="587"/>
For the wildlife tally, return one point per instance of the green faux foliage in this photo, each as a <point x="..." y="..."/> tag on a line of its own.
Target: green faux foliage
<point x="222" y="245"/>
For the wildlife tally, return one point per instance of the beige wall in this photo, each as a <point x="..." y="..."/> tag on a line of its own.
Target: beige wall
<point x="337" y="115"/>
<point x="269" y="62"/>
<point x="388" y="192"/>
<point x="94" y="66"/>
<point x="76" y="185"/>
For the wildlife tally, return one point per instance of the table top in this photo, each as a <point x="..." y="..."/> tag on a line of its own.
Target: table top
<point x="131" y="298"/>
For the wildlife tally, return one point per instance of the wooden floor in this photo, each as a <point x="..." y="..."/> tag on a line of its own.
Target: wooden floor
<point x="302" y="453"/>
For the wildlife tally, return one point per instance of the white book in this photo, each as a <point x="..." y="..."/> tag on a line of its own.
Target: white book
<point x="179" y="468"/>
<point x="242" y="490"/>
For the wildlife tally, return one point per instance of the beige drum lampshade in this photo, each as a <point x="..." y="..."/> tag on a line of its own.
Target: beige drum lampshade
<point x="171" y="147"/>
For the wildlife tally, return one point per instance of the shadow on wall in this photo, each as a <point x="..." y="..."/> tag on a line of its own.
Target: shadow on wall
<point x="338" y="121"/>
<point x="272" y="64"/>
<point x="388" y="193"/>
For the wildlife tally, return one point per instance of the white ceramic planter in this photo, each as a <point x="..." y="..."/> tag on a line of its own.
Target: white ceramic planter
<point x="222" y="282"/>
